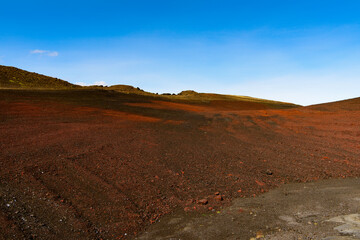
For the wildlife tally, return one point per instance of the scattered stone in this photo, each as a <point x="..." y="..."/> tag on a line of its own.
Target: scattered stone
<point x="203" y="201"/>
<point x="289" y="220"/>
<point x="187" y="209"/>
<point x="269" y="172"/>
<point x="260" y="183"/>
<point x="219" y="198"/>
<point x="217" y="193"/>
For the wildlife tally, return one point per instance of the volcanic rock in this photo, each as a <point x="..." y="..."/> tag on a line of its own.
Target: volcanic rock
<point x="203" y="201"/>
<point x="219" y="198"/>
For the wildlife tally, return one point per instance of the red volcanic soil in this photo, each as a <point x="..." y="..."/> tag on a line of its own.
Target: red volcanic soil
<point x="86" y="164"/>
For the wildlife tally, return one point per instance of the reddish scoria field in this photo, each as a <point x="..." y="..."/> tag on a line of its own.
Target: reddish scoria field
<point x="89" y="164"/>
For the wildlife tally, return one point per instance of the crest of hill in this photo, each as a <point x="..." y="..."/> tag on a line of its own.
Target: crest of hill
<point x="189" y="93"/>
<point x="347" y="105"/>
<point x="128" y="89"/>
<point x="15" y="78"/>
<point x="209" y="97"/>
<point x="11" y="77"/>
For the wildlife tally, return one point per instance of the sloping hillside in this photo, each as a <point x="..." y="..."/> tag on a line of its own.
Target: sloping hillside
<point x="11" y="77"/>
<point x="97" y="164"/>
<point x="15" y="78"/>
<point x="105" y="163"/>
<point x="348" y="104"/>
<point x="223" y="100"/>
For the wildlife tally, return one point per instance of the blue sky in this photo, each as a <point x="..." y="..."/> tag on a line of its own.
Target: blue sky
<point x="304" y="52"/>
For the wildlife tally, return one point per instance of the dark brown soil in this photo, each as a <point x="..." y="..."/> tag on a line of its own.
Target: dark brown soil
<point x="87" y="164"/>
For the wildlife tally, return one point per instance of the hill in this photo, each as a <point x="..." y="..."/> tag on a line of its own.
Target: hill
<point x="128" y="90"/>
<point x="106" y="162"/>
<point x="348" y="105"/>
<point x="101" y="164"/>
<point x="15" y="78"/>
<point x="11" y="77"/>
<point x="222" y="99"/>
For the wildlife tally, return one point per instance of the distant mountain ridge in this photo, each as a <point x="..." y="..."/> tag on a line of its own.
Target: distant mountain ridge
<point x="15" y="78"/>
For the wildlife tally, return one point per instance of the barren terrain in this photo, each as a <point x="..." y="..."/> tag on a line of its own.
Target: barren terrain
<point x="95" y="164"/>
<point x="320" y="210"/>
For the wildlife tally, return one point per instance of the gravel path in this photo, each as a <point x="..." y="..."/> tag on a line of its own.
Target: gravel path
<point x="328" y="210"/>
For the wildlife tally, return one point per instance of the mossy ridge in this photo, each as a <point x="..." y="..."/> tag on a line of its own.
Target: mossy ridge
<point x="11" y="77"/>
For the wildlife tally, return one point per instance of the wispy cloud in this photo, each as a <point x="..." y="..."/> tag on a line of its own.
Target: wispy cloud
<point x="100" y="83"/>
<point x="45" y="52"/>
<point x="95" y="83"/>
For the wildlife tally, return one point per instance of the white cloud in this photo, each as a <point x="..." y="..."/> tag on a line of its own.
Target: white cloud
<point x="45" y="52"/>
<point x="82" y="84"/>
<point x="95" y="83"/>
<point x="100" y="83"/>
<point x="53" y="54"/>
<point x="38" y="51"/>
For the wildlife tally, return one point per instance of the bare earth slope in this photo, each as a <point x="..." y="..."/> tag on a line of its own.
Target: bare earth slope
<point x="91" y="164"/>
<point x="99" y="164"/>
<point x="347" y="105"/>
